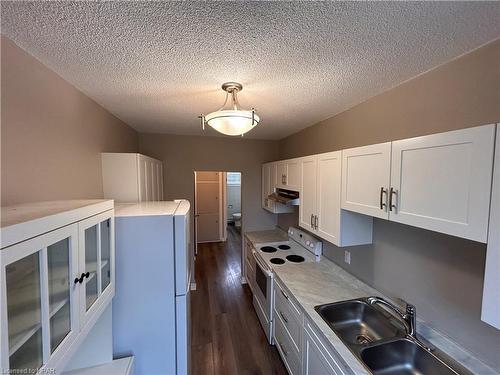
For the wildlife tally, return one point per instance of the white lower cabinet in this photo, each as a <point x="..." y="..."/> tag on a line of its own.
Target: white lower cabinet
<point x="317" y="359"/>
<point x="52" y="285"/>
<point x="299" y="345"/>
<point x="287" y="329"/>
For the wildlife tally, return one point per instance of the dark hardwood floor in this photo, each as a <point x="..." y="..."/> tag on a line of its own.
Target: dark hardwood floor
<point x="226" y="335"/>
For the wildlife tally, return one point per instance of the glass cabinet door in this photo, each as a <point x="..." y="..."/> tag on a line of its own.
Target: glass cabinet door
<point x="90" y="272"/>
<point x="96" y="262"/>
<point x="24" y="313"/>
<point x="105" y="254"/>
<point x="39" y="296"/>
<point x="58" y="265"/>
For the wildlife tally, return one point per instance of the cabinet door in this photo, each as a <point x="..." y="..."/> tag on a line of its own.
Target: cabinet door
<point x="39" y="304"/>
<point x="293" y="175"/>
<point x="365" y="172"/>
<point x="442" y="182"/>
<point x="96" y="261"/>
<point x="490" y="312"/>
<point x="328" y="196"/>
<point x="281" y="174"/>
<point x="142" y="178"/>
<point x="266" y="180"/>
<point x="317" y="359"/>
<point x="315" y="362"/>
<point x="307" y="208"/>
<point x="160" y="177"/>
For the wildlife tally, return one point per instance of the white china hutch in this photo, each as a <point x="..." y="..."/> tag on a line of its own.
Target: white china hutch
<point x="56" y="279"/>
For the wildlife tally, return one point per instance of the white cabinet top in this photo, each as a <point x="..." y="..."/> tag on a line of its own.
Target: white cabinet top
<point x="162" y="208"/>
<point x="23" y="221"/>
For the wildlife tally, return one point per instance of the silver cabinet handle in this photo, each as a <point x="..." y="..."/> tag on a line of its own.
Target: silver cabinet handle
<point x="391" y="193"/>
<point x="284" y="294"/>
<point x="312" y="221"/>
<point x="382" y="192"/>
<point x="283" y="317"/>
<point x="316" y="220"/>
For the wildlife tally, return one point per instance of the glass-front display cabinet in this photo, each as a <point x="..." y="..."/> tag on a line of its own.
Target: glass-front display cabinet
<point x="51" y="286"/>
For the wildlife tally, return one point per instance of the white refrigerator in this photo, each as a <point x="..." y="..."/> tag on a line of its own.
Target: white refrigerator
<point x="154" y="270"/>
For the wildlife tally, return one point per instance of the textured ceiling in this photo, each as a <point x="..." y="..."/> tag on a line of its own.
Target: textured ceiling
<point x="157" y="65"/>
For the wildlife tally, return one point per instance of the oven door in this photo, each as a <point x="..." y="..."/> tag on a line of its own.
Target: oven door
<point x="263" y="295"/>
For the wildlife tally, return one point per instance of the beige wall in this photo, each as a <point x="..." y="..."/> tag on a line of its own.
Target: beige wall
<point x="182" y="155"/>
<point x="51" y="133"/>
<point x="460" y="94"/>
<point x="441" y="275"/>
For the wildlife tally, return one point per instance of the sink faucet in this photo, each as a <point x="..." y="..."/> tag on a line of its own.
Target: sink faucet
<point x="409" y="317"/>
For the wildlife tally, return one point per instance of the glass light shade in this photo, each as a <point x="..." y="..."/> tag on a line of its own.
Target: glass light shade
<point x="232" y="122"/>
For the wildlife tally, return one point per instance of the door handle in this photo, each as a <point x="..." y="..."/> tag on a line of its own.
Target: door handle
<point x="382" y="192"/>
<point x="316" y="220"/>
<point x="391" y="193"/>
<point x="312" y="221"/>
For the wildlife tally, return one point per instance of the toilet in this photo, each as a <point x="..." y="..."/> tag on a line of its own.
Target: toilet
<point x="237" y="219"/>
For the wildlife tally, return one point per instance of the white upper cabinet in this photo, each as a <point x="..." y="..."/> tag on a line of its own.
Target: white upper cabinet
<point x="308" y="190"/>
<point x="269" y="171"/>
<point x="491" y="292"/>
<point x="442" y="182"/>
<point x="288" y="174"/>
<point x="131" y="177"/>
<point x="365" y="179"/>
<point x="320" y="210"/>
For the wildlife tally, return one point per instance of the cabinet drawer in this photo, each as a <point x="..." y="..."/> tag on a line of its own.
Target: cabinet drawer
<point x="287" y="350"/>
<point x="289" y="314"/>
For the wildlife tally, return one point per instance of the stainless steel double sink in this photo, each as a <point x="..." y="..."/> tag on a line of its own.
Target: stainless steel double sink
<point x="382" y="341"/>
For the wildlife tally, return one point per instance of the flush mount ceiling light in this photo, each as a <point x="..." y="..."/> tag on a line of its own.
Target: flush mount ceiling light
<point x="230" y="119"/>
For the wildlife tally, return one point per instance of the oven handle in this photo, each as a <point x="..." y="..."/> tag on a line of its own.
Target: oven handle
<point x="262" y="266"/>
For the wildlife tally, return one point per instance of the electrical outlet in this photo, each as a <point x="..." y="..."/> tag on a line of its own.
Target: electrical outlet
<point x="347" y="257"/>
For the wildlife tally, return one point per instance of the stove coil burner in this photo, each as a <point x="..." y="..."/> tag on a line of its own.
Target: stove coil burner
<point x="268" y="249"/>
<point x="284" y="247"/>
<point x="295" y="258"/>
<point x="277" y="261"/>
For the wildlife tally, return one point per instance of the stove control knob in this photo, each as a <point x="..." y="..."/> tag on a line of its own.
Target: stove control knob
<point x="308" y="243"/>
<point x="311" y="245"/>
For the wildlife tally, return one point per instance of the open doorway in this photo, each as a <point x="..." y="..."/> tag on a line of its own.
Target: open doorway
<point x="217" y="206"/>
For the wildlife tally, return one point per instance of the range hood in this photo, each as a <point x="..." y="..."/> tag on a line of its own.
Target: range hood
<point x="287" y="197"/>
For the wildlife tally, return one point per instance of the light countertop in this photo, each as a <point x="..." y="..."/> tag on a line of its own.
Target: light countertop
<point x="317" y="283"/>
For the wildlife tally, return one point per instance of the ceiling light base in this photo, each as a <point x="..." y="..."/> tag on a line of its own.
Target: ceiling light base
<point x="232" y="86"/>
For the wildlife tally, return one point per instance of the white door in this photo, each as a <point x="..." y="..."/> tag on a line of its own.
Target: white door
<point x="307" y="207"/>
<point x="208" y="207"/>
<point x="96" y="263"/>
<point x="293" y="175"/>
<point x="442" y="182"/>
<point x="39" y="308"/>
<point x="328" y="196"/>
<point x="365" y="179"/>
